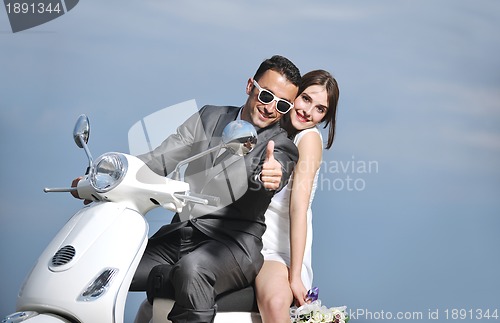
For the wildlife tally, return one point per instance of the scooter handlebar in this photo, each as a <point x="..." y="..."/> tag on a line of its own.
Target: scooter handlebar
<point x="199" y="198"/>
<point x="84" y="189"/>
<point x="59" y="189"/>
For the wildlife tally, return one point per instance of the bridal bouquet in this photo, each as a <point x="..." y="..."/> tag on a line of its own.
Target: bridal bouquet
<point x="314" y="312"/>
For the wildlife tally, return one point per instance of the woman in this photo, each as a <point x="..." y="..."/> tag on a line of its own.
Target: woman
<point x="287" y="274"/>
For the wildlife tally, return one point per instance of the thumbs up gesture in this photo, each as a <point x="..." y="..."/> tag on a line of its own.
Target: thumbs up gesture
<point x="271" y="169"/>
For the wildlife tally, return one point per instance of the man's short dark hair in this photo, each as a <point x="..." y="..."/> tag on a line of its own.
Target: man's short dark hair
<point x="281" y="65"/>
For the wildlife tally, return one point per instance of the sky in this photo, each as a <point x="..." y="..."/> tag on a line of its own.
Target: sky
<point x="407" y="211"/>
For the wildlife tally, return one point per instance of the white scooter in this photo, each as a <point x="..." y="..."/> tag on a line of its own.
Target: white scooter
<point x="84" y="274"/>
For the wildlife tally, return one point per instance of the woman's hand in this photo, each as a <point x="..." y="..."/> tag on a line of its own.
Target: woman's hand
<point x="298" y="290"/>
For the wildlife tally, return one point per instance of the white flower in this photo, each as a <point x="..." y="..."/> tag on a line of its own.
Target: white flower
<point x="339" y="308"/>
<point x="317" y="317"/>
<point x="328" y="316"/>
<point x="314" y="312"/>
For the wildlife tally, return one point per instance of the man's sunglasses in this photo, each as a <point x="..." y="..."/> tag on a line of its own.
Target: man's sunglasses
<point x="266" y="97"/>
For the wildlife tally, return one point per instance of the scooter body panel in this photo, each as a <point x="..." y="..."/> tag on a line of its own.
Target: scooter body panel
<point x="99" y="237"/>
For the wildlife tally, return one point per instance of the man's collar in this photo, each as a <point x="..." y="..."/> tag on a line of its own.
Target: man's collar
<point x="239" y="113"/>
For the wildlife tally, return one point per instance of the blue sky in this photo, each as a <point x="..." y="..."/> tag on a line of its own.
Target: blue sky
<point x="420" y="98"/>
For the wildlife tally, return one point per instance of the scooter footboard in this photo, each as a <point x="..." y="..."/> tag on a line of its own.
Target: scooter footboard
<point x="163" y="306"/>
<point x="238" y="306"/>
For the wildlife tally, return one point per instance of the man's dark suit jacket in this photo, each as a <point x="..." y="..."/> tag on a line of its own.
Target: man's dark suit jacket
<point x="239" y="222"/>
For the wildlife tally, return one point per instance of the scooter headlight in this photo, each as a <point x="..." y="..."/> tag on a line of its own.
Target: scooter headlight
<point x="108" y="171"/>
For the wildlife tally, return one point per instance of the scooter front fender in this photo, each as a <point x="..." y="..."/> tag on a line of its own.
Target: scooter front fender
<point x="100" y="237"/>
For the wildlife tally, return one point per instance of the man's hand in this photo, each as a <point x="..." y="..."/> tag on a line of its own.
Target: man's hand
<point x="75" y="193"/>
<point x="271" y="169"/>
<point x="74" y="183"/>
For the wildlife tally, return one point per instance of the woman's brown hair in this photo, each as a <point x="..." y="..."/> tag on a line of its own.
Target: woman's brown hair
<point x="324" y="78"/>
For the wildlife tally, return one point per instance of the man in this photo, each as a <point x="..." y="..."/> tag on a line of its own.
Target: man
<point x="208" y="250"/>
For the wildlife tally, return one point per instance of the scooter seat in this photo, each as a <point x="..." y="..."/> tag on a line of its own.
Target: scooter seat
<point x="242" y="300"/>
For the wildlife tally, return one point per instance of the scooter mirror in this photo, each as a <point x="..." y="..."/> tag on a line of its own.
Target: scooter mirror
<point x="81" y="132"/>
<point x="239" y="137"/>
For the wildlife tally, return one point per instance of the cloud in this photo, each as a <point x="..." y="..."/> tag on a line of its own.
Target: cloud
<point x="243" y="15"/>
<point x="478" y="139"/>
<point x="461" y="96"/>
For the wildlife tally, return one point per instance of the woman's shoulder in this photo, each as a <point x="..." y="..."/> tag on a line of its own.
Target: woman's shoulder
<point x="310" y="133"/>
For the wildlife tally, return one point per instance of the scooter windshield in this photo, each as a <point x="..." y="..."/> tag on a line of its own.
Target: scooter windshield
<point x="176" y="133"/>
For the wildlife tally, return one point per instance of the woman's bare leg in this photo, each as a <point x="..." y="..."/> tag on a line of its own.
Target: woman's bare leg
<point x="274" y="296"/>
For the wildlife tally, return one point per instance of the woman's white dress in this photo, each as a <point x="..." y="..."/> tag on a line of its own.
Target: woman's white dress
<point x="276" y="239"/>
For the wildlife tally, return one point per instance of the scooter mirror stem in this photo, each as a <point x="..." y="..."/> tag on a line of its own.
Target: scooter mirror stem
<point x="87" y="150"/>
